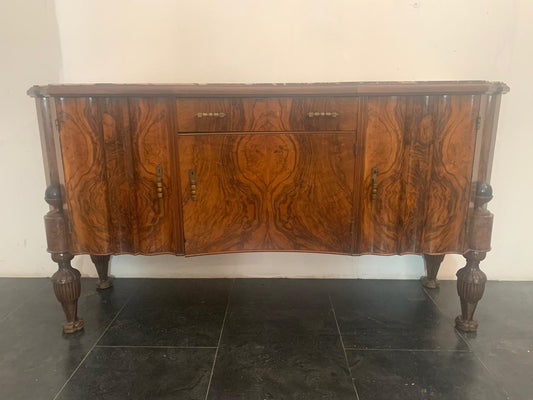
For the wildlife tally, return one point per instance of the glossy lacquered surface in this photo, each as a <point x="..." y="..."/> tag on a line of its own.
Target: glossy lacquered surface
<point x="345" y="168"/>
<point x="423" y="148"/>
<point x="270" y="338"/>
<point x="285" y="114"/>
<point x="268" y="192"/>
<point x="322" y="172"/>
<point x="110" y="151"/>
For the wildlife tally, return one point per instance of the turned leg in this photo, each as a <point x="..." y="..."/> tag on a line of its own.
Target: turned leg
<point x="67" y="288"/>
<point x="470" y="279"/>
<point x="470" y="287"/>
<point x="102" y="267"/>
<point x="66" y="281"/>
<point x="432" y="268"/>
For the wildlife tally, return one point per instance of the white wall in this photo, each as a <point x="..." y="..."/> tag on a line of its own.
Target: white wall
<point x="305" y="41"/>
<point x="29" y="53"/>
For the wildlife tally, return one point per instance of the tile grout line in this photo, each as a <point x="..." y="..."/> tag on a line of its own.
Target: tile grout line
<point x="219" y="340"/>
<point x="343" y="347"/>
<point x="444" y="314"/>
<point x="92" y="348"/>
<point x="419" y="350"/>
<point x="105" y="346"/>
<point x="465" y="340"/>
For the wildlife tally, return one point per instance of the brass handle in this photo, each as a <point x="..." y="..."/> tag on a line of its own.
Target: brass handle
<point x="210" y="115"/>
<point x="374" y="183"/>
<point x="313" y="114"/>
<point x="159" y="181"/>
<point x="192" y="181"/>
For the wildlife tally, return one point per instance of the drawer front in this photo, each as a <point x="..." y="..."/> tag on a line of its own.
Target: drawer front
<point x="284" y="114"/>
<point x="204" y="115"/>
<point x="324" y="114"/>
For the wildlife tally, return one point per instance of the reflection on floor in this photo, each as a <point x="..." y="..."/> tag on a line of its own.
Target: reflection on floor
<point x="265" y="339"/>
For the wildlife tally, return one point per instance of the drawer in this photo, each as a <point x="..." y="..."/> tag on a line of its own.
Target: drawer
<point x="324" y="114"/>
<point x="281" y="114"/>
<point x="204" y="115"/>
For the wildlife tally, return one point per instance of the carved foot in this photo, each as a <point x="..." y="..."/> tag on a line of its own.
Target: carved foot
<point x="67" y="288"/>
<point x="470" y="287"/>
<point x="432" y="268"/>
<point x="102" y="267"/>
<point x="73" y="326"/>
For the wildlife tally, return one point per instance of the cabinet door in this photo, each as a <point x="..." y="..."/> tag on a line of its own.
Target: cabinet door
<point x="111" y="150"/>
<point x="267" y="192"/>
<point x="422" y="147"/>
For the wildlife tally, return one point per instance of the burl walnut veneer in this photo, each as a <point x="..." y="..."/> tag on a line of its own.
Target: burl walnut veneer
<point x="344" y="168"/>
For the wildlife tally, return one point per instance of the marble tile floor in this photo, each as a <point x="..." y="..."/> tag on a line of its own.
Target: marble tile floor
<point x="259" y="339"/>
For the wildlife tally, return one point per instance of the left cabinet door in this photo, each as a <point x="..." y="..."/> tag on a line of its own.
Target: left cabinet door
<point x="115" y="151"/>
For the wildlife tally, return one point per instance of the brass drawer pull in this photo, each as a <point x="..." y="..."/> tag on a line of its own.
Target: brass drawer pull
<point x="159" y="181"/>
<point x="313" y="114"/>
<point x="192" y="181"/>
<point x="210" y="115"/>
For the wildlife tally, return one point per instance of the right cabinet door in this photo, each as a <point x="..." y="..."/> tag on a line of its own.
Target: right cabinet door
<point x="267" y="191"/>
<point x="416" y="173"/>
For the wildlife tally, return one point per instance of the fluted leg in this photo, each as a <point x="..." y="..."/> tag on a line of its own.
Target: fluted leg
<point x="432" y="268"/>
<point x="470" y="287"/>
<point x="102" y="267"/>
<point x="67" y="288"/>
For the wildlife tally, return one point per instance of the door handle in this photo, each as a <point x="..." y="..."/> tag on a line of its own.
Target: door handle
<point x="192" y="181"/>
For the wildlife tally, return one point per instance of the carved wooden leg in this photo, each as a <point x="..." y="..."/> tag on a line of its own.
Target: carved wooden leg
<point x="66" y="281"/>
<point x="470" y="287"/>
<point x="67" y="287"/>
<point x="470" y="279"/>
<point x="102" y="267"/>
<point x="432" y="268"/>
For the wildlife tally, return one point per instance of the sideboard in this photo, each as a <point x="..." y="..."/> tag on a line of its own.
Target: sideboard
<point x="343" y="168"/>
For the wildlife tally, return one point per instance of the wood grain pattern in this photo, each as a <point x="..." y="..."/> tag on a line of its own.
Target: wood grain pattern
<point x="346" y="107"/>
<point x="156" y="217"/>
<point x="85" y="175"/>
<point x="384" y="127"/>
<point x="453" y="151"/>
<point x="111" y="148"/>
<point x="188" y="108"/>
<point x="282" y="114"/>
<point x="423" y="148"/>
<point x="117" y="146"/>
<point x="268" y="192"/>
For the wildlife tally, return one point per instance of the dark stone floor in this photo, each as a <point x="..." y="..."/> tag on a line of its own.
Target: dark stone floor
<point x="259" y="339"/>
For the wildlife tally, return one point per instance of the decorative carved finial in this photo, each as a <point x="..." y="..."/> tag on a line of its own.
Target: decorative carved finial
<point x="483" y="189"/>
<point x="52" y="196"/>
<point x="483" y="194"/>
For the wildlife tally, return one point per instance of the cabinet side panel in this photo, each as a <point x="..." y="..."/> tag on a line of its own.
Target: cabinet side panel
<point x="383" y="127"/>
<point x="82" y="145"/>
<point x="486" y="137"/>
<point x="151" y="128"/>
<point x="46" y="116"/>
<point x="451" y="171"/>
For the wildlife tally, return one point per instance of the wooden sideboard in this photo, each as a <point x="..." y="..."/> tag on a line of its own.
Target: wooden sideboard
<point x="342" y="168"/>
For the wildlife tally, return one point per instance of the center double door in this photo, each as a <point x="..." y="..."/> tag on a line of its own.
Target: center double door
<point x="250" y="191"/>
